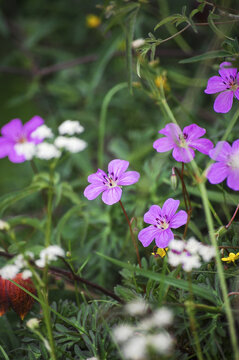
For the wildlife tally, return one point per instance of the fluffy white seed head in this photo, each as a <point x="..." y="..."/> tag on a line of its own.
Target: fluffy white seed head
<point x="136" y="307"/>
<point x="121" y="333"/>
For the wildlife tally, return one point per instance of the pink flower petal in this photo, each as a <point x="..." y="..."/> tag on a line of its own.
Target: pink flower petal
<point x="223" y="102"/>
<point x="147" y="235"/>
<point x="202" y="145"/>
<point x="163" y="238"/>
<point x="193" y="132"/>
<point x="112" y="195"/>
<point x="233" y="179"/>
<point x="170" y="207"/>
<point x="128" y="178"/>
<point x="5" y="147"/>
<point x="225" y="64"/>
<point x="163" y="144"/>
<point x="172" y="131"/>
<point x="221" y="152"/>
<point x="236" y="93"/>
<point x="98" y="177"/>
<point x="179" y="219"/>
<point x="12" y="130"/>
<point x="32" y="125"/>
<point x="93" y="190"/>
<point x="183" y="155"/>
<point x="235" y="145"/>
<point x="214" y="85"/>
<point x="227" y="74"/>
<point x="117" y="167"/>
<point x="14" y="157"/>
<point x="217" y="173"/>
<point x="151" y="215"/>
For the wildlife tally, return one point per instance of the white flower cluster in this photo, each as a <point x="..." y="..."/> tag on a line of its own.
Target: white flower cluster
<point x="148" y="334"/>
<point x="9" y="271"/>
<point x="46" y="150"/>
<point x="189" y="253"/>
<point x="49" y="254"/>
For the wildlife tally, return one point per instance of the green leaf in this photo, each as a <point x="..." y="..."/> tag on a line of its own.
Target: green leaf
<point x="172" y="19"/>
<point x="198" y="290"/>
<point x="5" y="356"/>
<point x="214" y="28"/>
<point x="208" y="55"/>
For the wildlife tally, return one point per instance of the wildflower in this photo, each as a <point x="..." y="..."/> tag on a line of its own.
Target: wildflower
<point x="183" y="142"/>
<point x="135" y="348"/>
<point x="231" y="258"/>
<point x="137" y="307"/>
<point x="227" y="165"/>
<point x="189" y="253"/>
<point x="122" y="332"/>
<point x="162" y="342"/>
<point x="27" y="149"/>
<point x="26" y="274"/>
<point x="162" y="81"/>
<point x="47" y="151"/>
<point x="9" y="271"/>
<point x="137" y="43"/>
<point x="70" y="127"/>
<point x="160" y="318"/>
<point x="42" y="132"/>
<point x="4" y="225"/>
<point x="227" y="84"/>
<point x="162" y="220"/>
<point x="71" y="144"/>
<point x="15" y="133"/>
<point x="49" y="254"/>
<point x="33" y="323"/>
<point x="110" y="185"/>
<point x="92" y="21"/>
<point x="160" y="252"/>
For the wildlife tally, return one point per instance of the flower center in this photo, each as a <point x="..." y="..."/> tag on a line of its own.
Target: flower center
<point x="162" y="223"/>
<point x="234" y="161"/>
<point x="22" y="140"/>
<point x="110" y="181"/>
<point x="183" y="140"/>
<point x="231" y="83"/>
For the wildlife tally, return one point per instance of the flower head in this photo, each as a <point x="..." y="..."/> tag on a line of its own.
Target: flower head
<point x="162" y="220"/>
<point x="92" y="21"/>
<point x="160" y="252"/>
<point x="70" y="127"/>
<point x="15" y="134"/>
<point x="231" y="258"/>
<point x="71" y="144"/>
<point x="227" y="165"/>
<point x="183" y="142"/>
<point x="110" y="184"/>
<point x="49" y="254"/>
<point x="226" y="84"/>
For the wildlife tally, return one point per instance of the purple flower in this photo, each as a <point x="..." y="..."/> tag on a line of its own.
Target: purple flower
<point x="183" y="142"/>
<point x="227" y="165"/>
<point x="110" y="184"/>
<point x="15" y="133"/>
<point x="227" y="84"/>
<point x="162" y="220"/>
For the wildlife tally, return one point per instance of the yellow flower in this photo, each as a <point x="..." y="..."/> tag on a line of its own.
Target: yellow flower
<point x="231" y="258"/>
<point x="92" y="21"/>
<point x="162" y="80"/>
<point x="160" y="252"/>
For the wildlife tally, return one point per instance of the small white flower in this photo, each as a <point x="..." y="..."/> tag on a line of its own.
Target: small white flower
<point x="71" y="144"/>
<point x="191" y="262"/>
<point x="4" y="225"/>
<point x="32" y="323"/>
<point x="135" y="348"/>
<point x="162" y="317"/>
<point x="122" y="333"/>
<point x="47" y="151"/>
<point x="177" y="245"/>
<point x="137" y="43"/>
<point x="42" y="132"/>
<point x="207" y="252"/>
<point x="162" y="342"/>
<point x="70" y="127"/>
<point x="27" y="149"/>
<point x="192" y="246"/>
<point x="19" y="261"/>
<point x="49" y="254"/>
<point x="136" y="307"/>
<point x="9" y="271"/>
<point x="26" y="274"/>
<point x="174" y="259"/>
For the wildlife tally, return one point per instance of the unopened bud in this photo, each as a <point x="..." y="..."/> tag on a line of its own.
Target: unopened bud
<point x="33" y="323"/>
<point x="173" y="180"/>
<point x="68" y="254"/>
<point x="4" y="225"/>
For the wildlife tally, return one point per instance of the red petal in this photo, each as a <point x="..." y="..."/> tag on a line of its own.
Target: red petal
<point x="4" y="302"/>
<point x="20" y="301"/>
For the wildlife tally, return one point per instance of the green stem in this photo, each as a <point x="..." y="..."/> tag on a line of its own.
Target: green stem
<point x="103" y="114"/>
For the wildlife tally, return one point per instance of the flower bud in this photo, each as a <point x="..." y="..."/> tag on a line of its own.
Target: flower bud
<point x="33" y="323"/>
<point x="173" y="180"/>
<point x="4" y="225"/>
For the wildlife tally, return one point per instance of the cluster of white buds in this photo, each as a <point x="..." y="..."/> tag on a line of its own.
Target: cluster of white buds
<point x="19" y="264"/>
<point x="148" y="335"/>
<point x="49" y="254"/>
<point x="46" y="150"/>
<point x="189" y="253"/>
